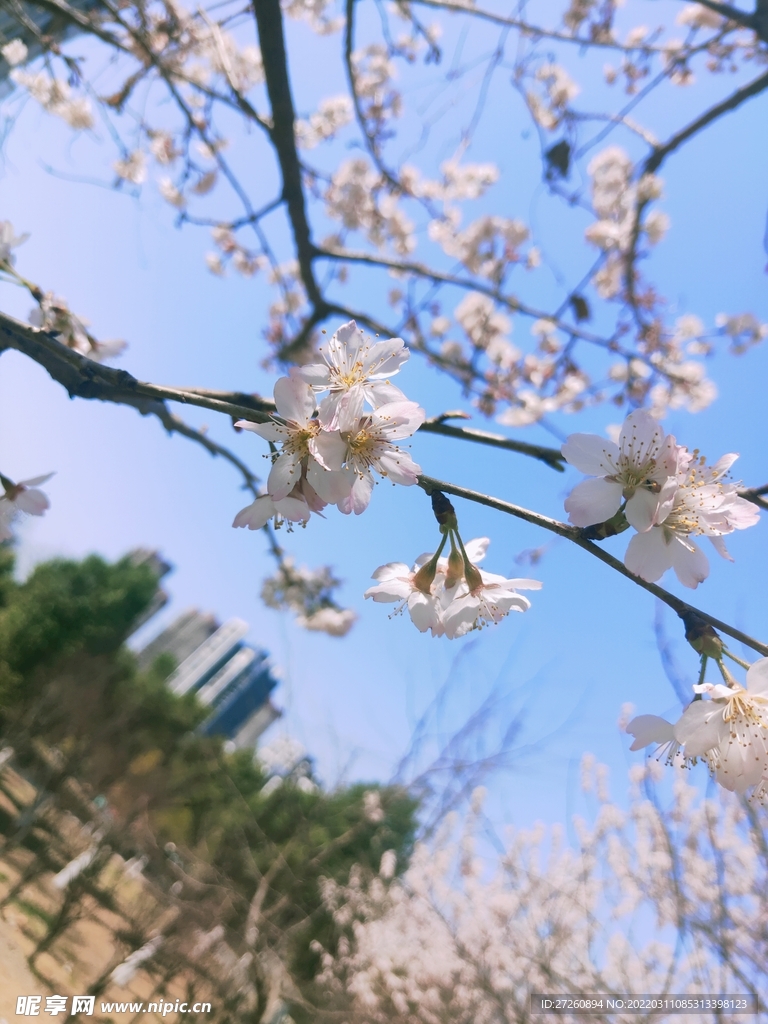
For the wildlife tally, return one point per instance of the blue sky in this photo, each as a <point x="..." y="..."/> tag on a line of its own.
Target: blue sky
<point x="565" y="668"/>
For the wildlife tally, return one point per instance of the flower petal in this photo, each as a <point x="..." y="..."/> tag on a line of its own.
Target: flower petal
<point x="641" y="509"/>
<point x="591" y="454"/>
<point x="32" y="501"/>
<point x="689" y="562"/>
<point x="284" y="475"/>
<point x="294" y="399"/>
<point x="257" y="514"/>
<point x="648" y="729"/>
<point x="593" y="501"/>
<point x="648" y="555"/>
<point x="701" y="727"/>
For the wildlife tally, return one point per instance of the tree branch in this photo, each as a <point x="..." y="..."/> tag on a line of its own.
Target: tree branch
<point x="686" y="611"/>
<point x="660" y="153"/>
<point x="269" y="20"/>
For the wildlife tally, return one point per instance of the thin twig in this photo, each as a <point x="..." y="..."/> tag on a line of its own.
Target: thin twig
<point x="573" y="534"/>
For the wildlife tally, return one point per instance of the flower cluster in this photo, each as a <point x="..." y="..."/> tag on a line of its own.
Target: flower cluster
<point x="726" y="725"/>
<point x="668" y="494"/>
<point x="463" y="937"/>
<point x="615" y="199"/>
<point x="24" y="497"/>
<point x="52" y="314"/>
<point x="450" y="596"/>
<point x="331" y="116"/>
<point x="53" y="94"/>
<point x="308" y="593"/>
<point x="328" y="455"/>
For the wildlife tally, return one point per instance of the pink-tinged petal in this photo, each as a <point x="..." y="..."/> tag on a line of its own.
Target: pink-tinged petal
<point x="37" y="480"/>
<point x="591" y="454"/>
<point x="316" y="375"/>
<point x="390" y="590"/>
<point x="293" y="509"/>
<point x="641" y="510"/>
<point x="383" y="393"/>
<point x="399" y="467"/>
<point x="401" y="418"/>
<point x="523" y="584"/>
<point x="648" y="555"/>
<point x="424" y="612"/>
<point x="328" y="410"/>
<point x="700" y="727"/>
<point x="332" y="486"/>
<point x="666" y="499"/>
<point x="295" y="400"/>
<point x="391" y="571"/>
<point x="742" y="514"/>
<point x="719" y="545"/>
<point x="641" y="437"/>
<point x="689" y="562"/>
<point x="668" y="461"/>
<point x="593" y="501"/>
<point x="306" y="492"/>
<point x="284" y="475"/>
<point x="648" y="729"/>
<point x="385" y="358"/>
<point x="359" y="497"/>
<point x="269" y="431"/>
<point x="350" y="410"/>
<point x="476" y="549"/>
<point x="348" y="335"/>
<point x="723" y="464"/>
<point x="257" y="514"/>
<point x="757" y="678"/>
<point x="330" y="449"/>
<point x="33" y="502"/>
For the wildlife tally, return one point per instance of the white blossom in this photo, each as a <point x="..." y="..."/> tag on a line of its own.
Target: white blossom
<point x="14" y="52"/>
<point x="640" y="470"/>
<point x="353" y="361"/>
<point x="24" y="497"/>
<point x="333" y="621"/>
<point x="133" y="168"/>
<point x="704" y="505"/>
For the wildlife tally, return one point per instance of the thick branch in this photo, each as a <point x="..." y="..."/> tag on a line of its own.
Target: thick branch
<point x="684" y="610"/>
<point x="269" y="20"/>
<point x="660" y="153"/>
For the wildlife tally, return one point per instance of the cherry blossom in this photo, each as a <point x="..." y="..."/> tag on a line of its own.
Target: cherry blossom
<point x="729" y="730"/>
<point x="293" y="507"/>
<point x="362" y="445"/>
<point x="485" y="603"/>
<point x="351" y="360"/>
<point x="23" y="497"/>
<point x="9" y="240"/>
<point x="333" y="621"/>
<point x="450" y="596"/>
<point x="703" y="505"/>
<point x="396" y="582"/>
<point x="641" y="470"/>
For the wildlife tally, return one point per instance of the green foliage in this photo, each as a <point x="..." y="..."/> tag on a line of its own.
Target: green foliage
<point x="65" y="679"/>
<point x="64" y="607"/>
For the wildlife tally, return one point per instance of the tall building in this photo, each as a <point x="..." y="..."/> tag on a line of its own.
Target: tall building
<point x="229" y="676"/>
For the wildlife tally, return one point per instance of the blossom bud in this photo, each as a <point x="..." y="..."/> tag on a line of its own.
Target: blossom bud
<point x="702" y="637"/>
<point x="473" y="577"/>
<point x="455" y="569"/>
<point x="444" y="511"/>
<point x="610" y="528"/>
<point x="425" y="577"/>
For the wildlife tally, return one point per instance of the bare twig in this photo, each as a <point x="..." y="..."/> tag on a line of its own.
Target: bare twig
<point x="684" y="610"/>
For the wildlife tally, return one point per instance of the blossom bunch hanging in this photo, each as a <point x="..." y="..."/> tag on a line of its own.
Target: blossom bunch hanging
<point x="726" y="726"/>
<point x="666" y="493"/>
<point x="450" y="596"/>
<point x="330" y="454"/>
